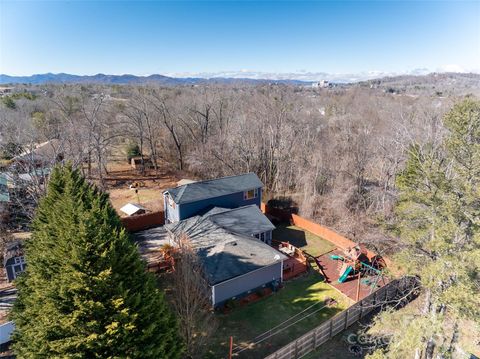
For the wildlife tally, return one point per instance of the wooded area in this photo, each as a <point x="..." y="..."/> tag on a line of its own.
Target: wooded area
<point x="333" y="153"/>
<point x="396" y="170"/>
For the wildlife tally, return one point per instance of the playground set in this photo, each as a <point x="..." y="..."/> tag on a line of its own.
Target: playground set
<point x="350" y="268"/>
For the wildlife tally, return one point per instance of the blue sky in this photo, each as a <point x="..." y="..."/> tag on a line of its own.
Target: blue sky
<point x="208" y="38"/>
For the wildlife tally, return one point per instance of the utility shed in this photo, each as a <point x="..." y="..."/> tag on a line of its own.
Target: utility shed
<point x="132" y="209"/>
<point x="14" y="260"/>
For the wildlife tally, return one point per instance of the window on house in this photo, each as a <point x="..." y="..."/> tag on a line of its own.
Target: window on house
<point x="19" y="260"/>
<point x="250" y="194"/>
<point x="262" y="237"/>
<point x="171" y="201"/>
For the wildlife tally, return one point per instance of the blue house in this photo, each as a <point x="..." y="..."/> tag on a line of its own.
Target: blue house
<point x="196" y="198"/>
<point x="235" y="258"/>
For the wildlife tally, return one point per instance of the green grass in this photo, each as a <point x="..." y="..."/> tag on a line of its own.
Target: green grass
<point x="245" y="323"/>
<point x="303" y="239"/>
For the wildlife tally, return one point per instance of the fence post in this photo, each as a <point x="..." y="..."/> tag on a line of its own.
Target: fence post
<point x="315" y="338"/>
<point x="331" y="328"/>
<point x="361" y="309"/>
<point x="346" y="318"/>
<point x="296" y="349"/>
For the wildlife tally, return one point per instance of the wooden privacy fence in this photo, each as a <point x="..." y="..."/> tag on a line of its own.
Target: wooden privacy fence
<point x="327" y="330"/>
<point x="317" y="229"/>
<point x="143" y="221"/>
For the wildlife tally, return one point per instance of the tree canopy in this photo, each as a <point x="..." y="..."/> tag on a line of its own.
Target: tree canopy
<point x="438" y="220"/>
<point x="85" y="293"/>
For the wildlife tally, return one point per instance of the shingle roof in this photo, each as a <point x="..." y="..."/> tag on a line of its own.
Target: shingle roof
<point x="224" y="254"/>
<point x="197" y="191"/>
<point x="12" y="249"/>
<point x="248" y="220"/>
<point x="132" y="208"/>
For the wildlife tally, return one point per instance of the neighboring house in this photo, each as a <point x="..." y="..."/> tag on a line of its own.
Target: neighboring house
<point x="5" y="90"/>
<point x="228" y="192"/>
<point x="234" y="260"/>
<point x="40" y="155"/>
<point x="132" y="209"/>
<point x="14" y="260"/>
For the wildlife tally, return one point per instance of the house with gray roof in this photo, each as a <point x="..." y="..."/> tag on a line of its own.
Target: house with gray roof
<point x="248" y="220"/>
<point x="235" y="261"/>
<point x="14" y="260"/>
<point x="196" y="198"/>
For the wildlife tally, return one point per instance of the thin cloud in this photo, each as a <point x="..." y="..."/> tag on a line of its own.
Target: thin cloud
<point x="314" y="76"/>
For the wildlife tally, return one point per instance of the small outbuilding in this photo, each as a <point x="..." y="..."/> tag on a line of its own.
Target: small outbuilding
<point x="133" y="209"/>
<point x="136" y="162"/>
<point x="14" y="260"/>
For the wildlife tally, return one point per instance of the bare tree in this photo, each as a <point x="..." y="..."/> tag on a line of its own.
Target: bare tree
<point x="191" y="298"/>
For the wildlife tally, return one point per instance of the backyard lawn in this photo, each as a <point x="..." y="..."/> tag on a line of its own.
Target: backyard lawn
<point x="247" y="322"/>
<point x="303" y="239"/>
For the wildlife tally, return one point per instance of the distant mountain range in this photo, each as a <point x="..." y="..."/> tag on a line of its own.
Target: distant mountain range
<point x="63" y="78"/>
<point x="415" y="78"/>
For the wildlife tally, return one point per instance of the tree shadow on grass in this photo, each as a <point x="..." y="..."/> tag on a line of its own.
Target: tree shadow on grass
<point x="303" y="294"/>
<point x="293" y="236"/>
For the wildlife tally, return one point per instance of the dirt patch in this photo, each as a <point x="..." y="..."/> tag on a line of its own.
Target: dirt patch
<point x="150" y="186"/>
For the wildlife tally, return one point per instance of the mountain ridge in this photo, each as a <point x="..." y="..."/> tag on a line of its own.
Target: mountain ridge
<point x="125" y="79"/>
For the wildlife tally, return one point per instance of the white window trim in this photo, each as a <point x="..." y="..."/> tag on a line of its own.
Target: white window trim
<point x="255" y="194"/>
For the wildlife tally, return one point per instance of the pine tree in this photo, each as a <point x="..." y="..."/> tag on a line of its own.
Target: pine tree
<point x="438" y="216"/>
<point x="85" y="293"/>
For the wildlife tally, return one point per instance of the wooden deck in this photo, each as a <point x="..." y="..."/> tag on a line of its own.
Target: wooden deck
<point x="293" y="267"/>
<point x="296" y="263"/>
<point x="331" y="269"/>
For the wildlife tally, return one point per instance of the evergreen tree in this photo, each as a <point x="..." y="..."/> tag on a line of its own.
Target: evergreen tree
<point x="439" y="226"/>
<point x="85" y="293"/>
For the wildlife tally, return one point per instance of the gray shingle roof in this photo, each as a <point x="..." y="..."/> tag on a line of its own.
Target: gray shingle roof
<point x="223" y="245"/>
<point x="12" y="249"/>
<point x="224" y="254"/>
<point x="197" y="191"/>
<point x="248" y="220"/>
